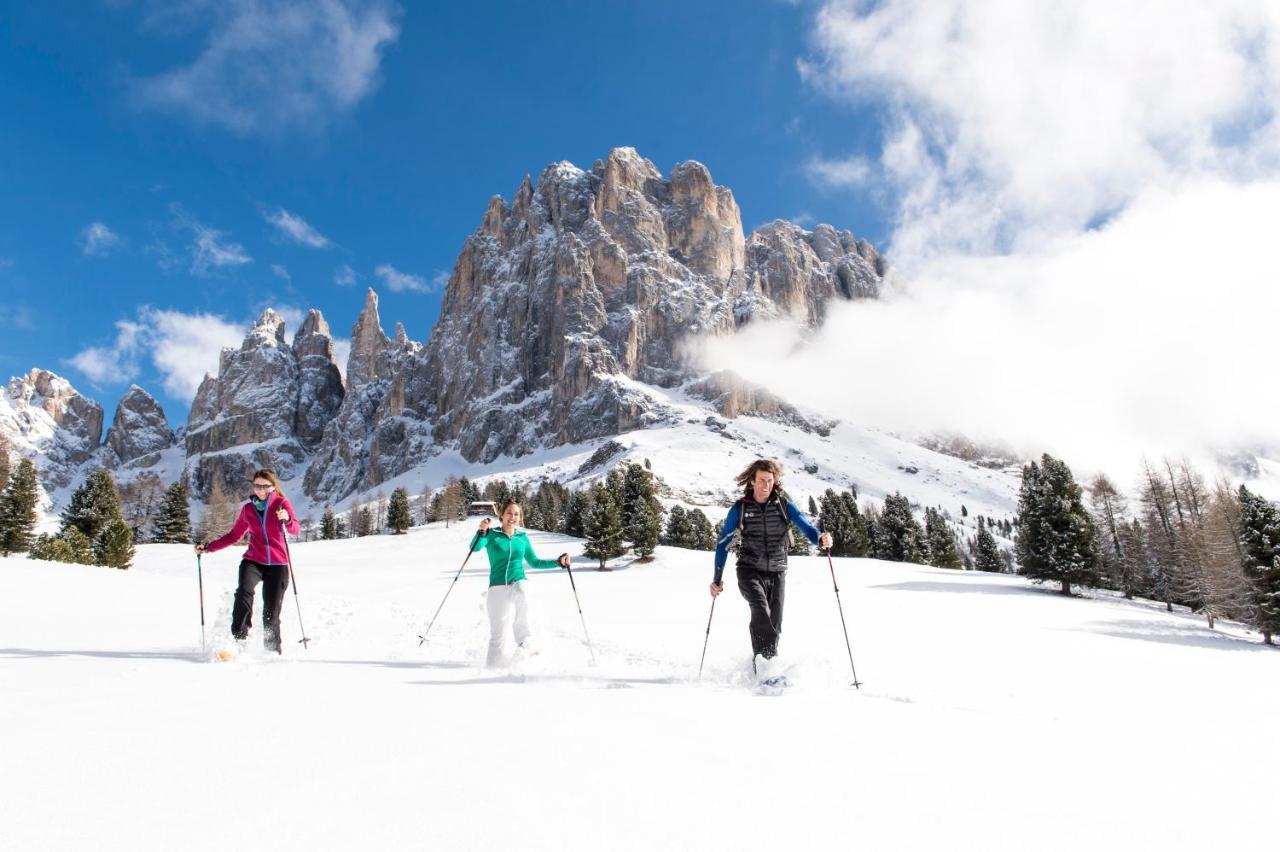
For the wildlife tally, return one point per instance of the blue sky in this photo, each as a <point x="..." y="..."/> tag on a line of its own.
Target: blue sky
<point x="1035" y="172"/>
<point x="147" y="165"/>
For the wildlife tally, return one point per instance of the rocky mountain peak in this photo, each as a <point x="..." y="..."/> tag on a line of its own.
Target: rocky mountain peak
<point x="43" y="415"/>
<point x="368" y="343"/>
<point x="139" y="429"/>
<point x="268" y="329"/>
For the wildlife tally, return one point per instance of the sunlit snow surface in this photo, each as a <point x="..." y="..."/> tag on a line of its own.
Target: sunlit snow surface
<point x="993" y="715"/>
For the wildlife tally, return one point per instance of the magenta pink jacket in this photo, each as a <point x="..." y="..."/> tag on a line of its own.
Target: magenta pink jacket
<point x="266" y="532"/>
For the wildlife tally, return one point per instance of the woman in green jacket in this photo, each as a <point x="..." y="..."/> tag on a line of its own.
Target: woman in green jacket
<point x="509" y="549"/>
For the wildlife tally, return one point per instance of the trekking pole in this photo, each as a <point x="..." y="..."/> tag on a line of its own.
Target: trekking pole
<point x="294" y="582"/>
<point x="708" y="639"/>
<point x="200" y="578"/>
<point x="843" y="625"/>
<point x="470" y="549"/>
<point x="580" y="616"/>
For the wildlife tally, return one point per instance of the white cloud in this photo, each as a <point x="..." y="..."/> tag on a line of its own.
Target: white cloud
<point x="345" y="276"/>
<point x="98" y="239"/>
<point x="265" y="67"/>
<point x="1011" y="122"/>
<point x="209" y="247"/>
<point x="1083" y="194"/>
<point x="341" y="352"/>
<point x="182" y="347"/>
<point x="280" y="272"/>
<point x="296" y="228"/>
<point x="404" y="282"/>
<point x="103" y="365"/>
<point x="847" y="173"/>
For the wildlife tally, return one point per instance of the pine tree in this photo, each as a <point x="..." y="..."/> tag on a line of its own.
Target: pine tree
<point x="986" y="554"/>
<point x="365" y="522"/>
<point x="399" y="516"/>
<point x="940" y="541"/>
<point x="897" y="536"/>
<point x="1260" y="538"/>
<point x="576" y="512"/>
<point x="799" y="544"/>
<point x="1057" y="541"/>
<point x="328" y="524"/>
<point x="857" y="536"/>
<point x="173" y="521"/>
<point x="93" y="505"/>
<point x="603" y="526"/>
<point x="678" y="532"/>
<point x="641" y="511"/>
<point x="813" y="507"/>
<point x="702" y="536"/>
<point x="114" y="545"/>
<point x="18" y="509"/>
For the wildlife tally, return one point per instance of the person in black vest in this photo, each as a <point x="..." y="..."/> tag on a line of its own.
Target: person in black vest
<point x="761" y="522"/>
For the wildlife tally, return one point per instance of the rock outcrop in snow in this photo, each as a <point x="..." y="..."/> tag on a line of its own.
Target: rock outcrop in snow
<point x="266" y="404"/>
<point x="139" y="432"/>
<point x="44" y="416"/>
<point x="564" y="310"/>
<point x="585" y="283"/>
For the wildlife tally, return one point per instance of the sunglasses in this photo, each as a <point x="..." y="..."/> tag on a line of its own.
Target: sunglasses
<point x="257" y="487"/>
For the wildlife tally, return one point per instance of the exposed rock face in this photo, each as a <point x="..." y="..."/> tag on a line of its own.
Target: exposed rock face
<point x="371" y="437"/>
<point x="584" y="282"/>
<point x="46" y="419"/>
<point x="563" y="309"/>
<point x="245" y="418"/>
<point x="320" y="389"/>
<point x="139" y="431"/>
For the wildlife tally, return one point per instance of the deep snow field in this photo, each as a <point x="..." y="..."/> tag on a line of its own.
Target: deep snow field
<point x="994" y="715"/>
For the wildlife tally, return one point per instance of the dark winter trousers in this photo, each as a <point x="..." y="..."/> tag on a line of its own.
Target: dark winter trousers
<point x="274" y="580"/>
<point x="764" y="591"/>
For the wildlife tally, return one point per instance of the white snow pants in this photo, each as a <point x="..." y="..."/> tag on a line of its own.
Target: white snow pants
<point x="504" y="602"/>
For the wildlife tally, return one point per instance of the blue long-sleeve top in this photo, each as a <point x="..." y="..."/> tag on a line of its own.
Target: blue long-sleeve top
<point x="730" y="528"/>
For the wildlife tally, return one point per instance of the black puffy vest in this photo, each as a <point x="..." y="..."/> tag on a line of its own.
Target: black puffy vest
<point x="764" y="543"/>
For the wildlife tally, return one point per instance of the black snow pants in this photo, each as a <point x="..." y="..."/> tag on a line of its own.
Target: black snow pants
<point x="274" y="580"/>
<point x="764" y="591"/>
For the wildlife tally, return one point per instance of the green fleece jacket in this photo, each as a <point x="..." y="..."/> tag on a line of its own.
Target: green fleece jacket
<point x="508" y="555"/>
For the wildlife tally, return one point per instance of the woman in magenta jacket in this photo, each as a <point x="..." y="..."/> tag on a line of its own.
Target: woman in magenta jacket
<point x="266" y="517"/>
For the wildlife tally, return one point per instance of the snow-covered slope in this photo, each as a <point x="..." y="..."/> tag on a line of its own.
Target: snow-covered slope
<point x="993" y="716"/>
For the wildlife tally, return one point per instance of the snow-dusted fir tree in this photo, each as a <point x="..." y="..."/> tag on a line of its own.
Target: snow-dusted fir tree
<point x="641" y="511"/>
<point x="838" y="514"/>
<point x="677" y="532"/>
<point x="93" y="505"/>
<point x="1260" y="537"/>
<point x="603" y="526"/>
<point x="173" y="522"/>
<point x="399" y="516"/>
<point x="328" y="524"/>
<point x="941" y="542"/>
<point x="702" y="535"/>
<point x="986" y="553"/>
<point x="18" y="509"/>
<point x="1056" y="541"/>
<point x="575" y="515"/>
<point x="897" y="536"/>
